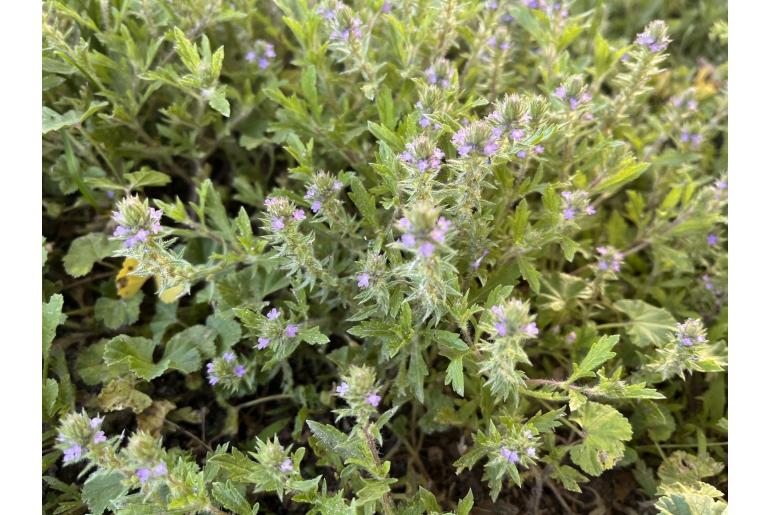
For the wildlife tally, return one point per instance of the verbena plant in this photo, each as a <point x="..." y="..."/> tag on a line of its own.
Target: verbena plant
<point x="405" y="256"/>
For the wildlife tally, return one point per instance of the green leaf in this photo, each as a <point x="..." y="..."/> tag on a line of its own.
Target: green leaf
<point x="627" y="173"/>
<point x="690" y="504"/>
<point x="454" y="374"/>
<point x="605" y="429"/>
<point x="147" y="177"/>
<point x="218" y="101"/>
<point x="91" y="367"/>
<point x="104" y="490"/>
<point x="115" y="313"/>
<point x="530" y="273"/>
<point x="374" y="489"/>
<point x="185" y="349"/>
<point x="466" y="504"/>
<point x="187" y="51"/>
<point x="363" y="201"/>
<point x="53" y="121"/>
<point x="384" y="134"/>
<point x="50" y="394"/>
<point x="229" y="497"/>
<point x="313" y="336"/>
<point x="600" y="352"/>
<point x="52" y="318"/>
<point x="649" y="325"/>
<point x="136" y="352"/>
<point x="87" y="250"/>
<point x="449" y="341"/>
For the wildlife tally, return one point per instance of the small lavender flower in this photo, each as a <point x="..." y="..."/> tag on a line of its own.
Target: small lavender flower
<point x="291" y="330"/>
<point x="708" y="283"/>
<point x="426" y="249"/>
<point x="373" y="399"/>
<point x="229" y="356"/>
<point x="73" y="453"/>
<point x="99" y="437"/>
<point x="262" y="54"/>
<point x="343" y="388"/>
<point x="363" y="280"/>
<point x="502" y="323"/>
<point x="263" y="342"/>
<point x="277" y="223"/>
<point x="511" y="456"/>
<point x="712" y="239"/>
<point x="609" y="259"/>
<point x="239" y="370"/>
<point x="96" y="422"/>
<point x="160" y="469"/>
<point x="477" y="263"/>
<point x="574" y="203"/>
<point x="530" y="330"/>
<point x="531" y="452"/>
<point x="286" y="466"/>
<point x="299" y="215"/>
<point x="143" y="474"/>
<point x="273" y="314"/>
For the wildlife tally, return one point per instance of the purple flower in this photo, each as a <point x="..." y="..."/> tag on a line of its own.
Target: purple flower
<point x="568" y="214"/>
<point x="73" y="453"/>
<point x="100" y="437"/>
<point x="511" y="456"/>
<point x="373" y="399"/>
<point x="291" y="330"/>
<point x="229" y="356"/>
<point x="286" y="466"/>
<point x="299" y="215"/>
<point x="501" y="327"/>
<point x="531" y="452"/>
<point x="143" y="474"/>
<point x="263" y="63"/>
<point x="160" y="469"/>
<point x="517" y="134"/>
<point x="560" y="92"/>
<point x="213" y="379"/>
<point x="343" y="388"/>
<point x="121" y="231"/>
<point x="477" y="263"/>
<point x="239" y="370"/>
<point x="712" y="239"/>
<point x="363" y="280"/>
<point x="263" y="342"/>
<point x="277" y="223"/>
<point x="315" y="206"/>
<point x="408" y="240"/>
<point x="96" y="422"/>
<point x="530" y="330"/>
<point x="273" y="314"/>
<point x="590" y="211"/>
<point x="521" y="154"/>
<point x="251" y="56"/>
<point x="337" y="185"/>
<point x="426" y="249"/>
<point x="386" y="7"/>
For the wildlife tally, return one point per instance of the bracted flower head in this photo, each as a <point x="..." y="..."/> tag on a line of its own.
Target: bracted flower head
<point x="512" y="319"/>
<point x="655" y="36"/>
<point x="423" y="230"/>
<point x="322" y="192"/>
<point x="137" y="221"/>
<point x="441" y="73"/>
<point x="690" y="332"/>
<point x="422" y="154"/>
<point x="573" y="93"/>
<point x="575" y="203"/>
<point x="610" y="259"/>
<point x="475" y="139"/>
<point x="225" y="370"/>
<point x="262" y="53"/>
<point x="78" y="434"/>
<point x="359" y="390"/>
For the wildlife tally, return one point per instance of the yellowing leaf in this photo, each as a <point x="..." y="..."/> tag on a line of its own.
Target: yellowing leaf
<point x="127" y="284"/>
<point x="169" y="296"/>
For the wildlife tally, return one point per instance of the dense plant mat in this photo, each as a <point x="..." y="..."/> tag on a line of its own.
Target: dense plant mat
<point x="395" y="257"/>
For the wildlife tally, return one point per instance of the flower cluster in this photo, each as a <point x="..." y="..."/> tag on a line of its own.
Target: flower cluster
<point x="609" y="259"/>
<point x="690" y="332"/>
<point x="512" y="319"/>
<point x="432" y="102"/>
<point x="360" y="391"/>
<point x="145" y="456"/>
<point x="262" y="53"/>
<point x="225" y="369"/>
<point x="344" y="24"/>
<point x="655" y="37"/>
<point x="137" y="221"/>
<point x="423" y="154"/>
<point x="423" y="229"/>
<point x="575" y="203"/>
<point x="510" y="118"/>
<point x="78" y="434"/>
<point x="322" y="190"/>
<point x="275" y="329"/>
<point x="441" y="73"/>
<point x="282" y="213"/>
<point x="476" y="138"/>
<point x="272" y="455"/>
<point x="573" y="93"/>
